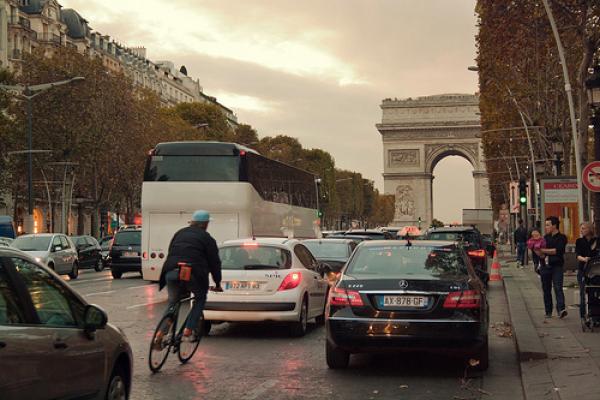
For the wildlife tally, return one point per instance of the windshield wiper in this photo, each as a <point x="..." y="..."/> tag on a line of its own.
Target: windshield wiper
<point x="260" y="266"/>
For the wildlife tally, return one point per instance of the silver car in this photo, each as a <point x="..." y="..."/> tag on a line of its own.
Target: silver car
<point x="54" y="345"/>
<point x="55" y="250"/>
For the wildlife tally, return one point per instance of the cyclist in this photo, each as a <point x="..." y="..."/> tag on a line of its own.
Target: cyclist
<point x="194" y="246"/>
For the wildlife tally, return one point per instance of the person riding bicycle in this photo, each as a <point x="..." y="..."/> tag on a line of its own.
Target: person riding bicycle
<point x="195" y="247"/>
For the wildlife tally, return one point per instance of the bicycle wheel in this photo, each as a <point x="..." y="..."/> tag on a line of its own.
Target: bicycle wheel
<point x="186" y="349"/>
<point x="161" y="344"/>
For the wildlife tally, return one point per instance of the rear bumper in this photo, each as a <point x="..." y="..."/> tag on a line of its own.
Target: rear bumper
<point x="126" y="266"/>
<point x="250" y="316"/>
<point x="371" y="335"/>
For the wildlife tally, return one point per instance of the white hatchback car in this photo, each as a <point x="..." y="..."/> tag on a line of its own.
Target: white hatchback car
<point x="269" y="279"/>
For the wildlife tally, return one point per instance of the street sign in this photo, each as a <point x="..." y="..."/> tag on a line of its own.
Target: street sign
<point x="591" y="176"/>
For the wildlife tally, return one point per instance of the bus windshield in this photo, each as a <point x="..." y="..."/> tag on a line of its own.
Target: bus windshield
<point x="193" y="168"/>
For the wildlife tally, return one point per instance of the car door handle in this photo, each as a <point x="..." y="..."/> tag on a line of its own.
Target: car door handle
<point x="60" y="345"/>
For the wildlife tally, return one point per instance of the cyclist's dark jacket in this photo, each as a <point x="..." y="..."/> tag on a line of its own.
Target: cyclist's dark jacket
<point x="195" y="246"/>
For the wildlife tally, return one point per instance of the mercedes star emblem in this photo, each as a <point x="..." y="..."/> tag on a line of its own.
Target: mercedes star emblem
<point x="403" y="284"/>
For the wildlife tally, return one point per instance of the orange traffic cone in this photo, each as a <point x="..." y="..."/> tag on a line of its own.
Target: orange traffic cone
<point x="495" y="275"/>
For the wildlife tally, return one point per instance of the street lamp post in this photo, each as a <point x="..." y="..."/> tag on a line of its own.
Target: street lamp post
<point x="27" y="93"/>
<point x="593" y="88"/>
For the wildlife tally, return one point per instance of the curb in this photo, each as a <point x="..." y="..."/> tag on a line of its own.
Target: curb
<point x="529" y="344"/>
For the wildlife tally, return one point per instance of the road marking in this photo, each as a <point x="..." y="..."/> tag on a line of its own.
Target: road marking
<point x="145" y="304"/>
<point x="99" y="293"/>
<point x="140" y="286"/>
<point x="260" y="389"/>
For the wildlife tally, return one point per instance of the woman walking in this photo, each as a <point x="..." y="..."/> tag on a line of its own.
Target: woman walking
<point x="586" y="247"/>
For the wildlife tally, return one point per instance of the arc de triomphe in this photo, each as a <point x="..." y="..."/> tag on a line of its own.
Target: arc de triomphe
<point x="417" y="134"/>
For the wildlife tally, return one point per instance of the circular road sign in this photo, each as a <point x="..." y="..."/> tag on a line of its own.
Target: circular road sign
<point x="591" y="176"/>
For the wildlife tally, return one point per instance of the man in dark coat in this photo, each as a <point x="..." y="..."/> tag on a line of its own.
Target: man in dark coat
<point x="194" y="246"/>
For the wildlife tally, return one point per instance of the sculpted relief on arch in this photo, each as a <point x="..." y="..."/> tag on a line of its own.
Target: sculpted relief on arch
<point x="405" y="204"/>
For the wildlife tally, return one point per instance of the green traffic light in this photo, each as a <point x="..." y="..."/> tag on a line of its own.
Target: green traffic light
<point x="523" y="200"/>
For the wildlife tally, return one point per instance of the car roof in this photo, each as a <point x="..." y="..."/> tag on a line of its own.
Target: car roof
<point x="278" y="241"/>
<point x="461" y="228"/>
<point x="329" y="240"/>
<point x="12" y="251"/>
<point x="399" y="243"/>
<point x="39" y="234"/>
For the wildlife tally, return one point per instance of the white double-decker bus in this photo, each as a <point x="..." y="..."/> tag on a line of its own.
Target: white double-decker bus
<point x="247" y="195"/>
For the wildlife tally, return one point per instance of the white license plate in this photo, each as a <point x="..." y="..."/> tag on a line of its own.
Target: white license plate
<point x="130" y="254"/>
<point x="404" y="301"/>
<point x="242" y="285"/>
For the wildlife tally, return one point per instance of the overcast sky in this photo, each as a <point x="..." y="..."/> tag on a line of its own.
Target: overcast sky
<point x="313" y="69"/>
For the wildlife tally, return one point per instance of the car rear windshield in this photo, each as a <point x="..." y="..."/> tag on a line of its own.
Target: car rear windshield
<point x="32" y="243"/>
<point x="326" y="249"/>
<point x="79" y="240"/>
<point x="416" y="262"/>
<point x="193" y="168"/>
<point x="254" y="257"/>
<point x="470" y="237"/>
<point x="132" y="238"/>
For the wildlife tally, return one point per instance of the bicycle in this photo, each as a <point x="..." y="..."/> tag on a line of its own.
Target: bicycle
<point x="164" y="340"/>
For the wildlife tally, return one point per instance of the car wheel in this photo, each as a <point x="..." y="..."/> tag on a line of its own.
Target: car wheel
<point x="116" y="274"/>
<point x="74" y="274"/>
<point x="482" y="355"/>
<point x="298" y="328"/>
<point x="117" y="386"/>
<point x="336" y="357"/>
<point x="99" y="265"/>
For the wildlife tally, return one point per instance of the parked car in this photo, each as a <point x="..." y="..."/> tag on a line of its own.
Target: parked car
<point x="7" y="227"/>
<point x="269" y="279"/>
<point x="53" y="344"/>
<point x="473" y="242"/>
<point x="124" y="254"/>
<point x="5" y="241"/>
<point x="105" y="247"/>
<point x="332" y="252"/>
<point x="395" y="296"/>
<point x="54" y="250"/>
<point x="88" y="252"/>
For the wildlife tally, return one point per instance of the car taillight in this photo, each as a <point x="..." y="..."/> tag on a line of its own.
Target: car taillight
<point x="476" y="253"/>
<point x="343" y="298"/>
<point x="145" y="255"/>
<point x="464" y="299"/>
<point x="291" y="281"/>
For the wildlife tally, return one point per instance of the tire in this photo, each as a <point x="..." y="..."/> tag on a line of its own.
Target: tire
<point x="299" y="328"/>
<point x="74" y="274"/>
<point x="116" y="274"/>
<point x="117" y="385"/>
<point x="156" y="361"/>
<point x="186" y="350"/>
<point x="320" y="319"/>
<point x="336" y="357"/>
<point x="99" y="265"/>
<point x="483" y="356"/>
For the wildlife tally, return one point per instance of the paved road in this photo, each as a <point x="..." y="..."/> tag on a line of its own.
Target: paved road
<point x="245" y="361"/>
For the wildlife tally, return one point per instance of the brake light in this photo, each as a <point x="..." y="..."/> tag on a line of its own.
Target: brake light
<point x="464" y="299"/>
<point x="145" y="255"/>
<point x="242" y="153"/>
<point x="291" y="281"/>
<point x="343" y="298"/>
<point x="477" y="253"/>
<point x="250" y="244"/>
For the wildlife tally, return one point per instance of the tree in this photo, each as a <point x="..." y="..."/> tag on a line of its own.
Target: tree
<point x="210" y="121"/>
<point x="246" y="135"/>
<point x="436" y="223"/>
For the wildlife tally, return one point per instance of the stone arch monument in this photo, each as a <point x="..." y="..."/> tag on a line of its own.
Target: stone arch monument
<point x="417" y="134"/>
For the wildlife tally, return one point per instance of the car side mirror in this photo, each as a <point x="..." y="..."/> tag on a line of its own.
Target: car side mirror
<point x="324" y="269"/>
<point x="94" y="318"/>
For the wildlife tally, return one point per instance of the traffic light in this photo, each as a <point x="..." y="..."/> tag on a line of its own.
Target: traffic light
<point x="319" y="214"/>
<point x="522" y="192"/>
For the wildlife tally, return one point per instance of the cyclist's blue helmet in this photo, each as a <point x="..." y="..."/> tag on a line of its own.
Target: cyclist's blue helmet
<point x="200" y="216"/>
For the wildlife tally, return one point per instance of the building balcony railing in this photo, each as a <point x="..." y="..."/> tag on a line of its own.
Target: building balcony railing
<point x="50" y="38"/>
<point x="19" y="21"/>
<point x="25" y="23"/>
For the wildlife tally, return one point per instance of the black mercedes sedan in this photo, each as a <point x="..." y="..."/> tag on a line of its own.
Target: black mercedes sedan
<point x="407" y="296"/>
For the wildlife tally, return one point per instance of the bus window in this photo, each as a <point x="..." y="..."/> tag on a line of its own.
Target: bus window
<point x="193" y="168"/>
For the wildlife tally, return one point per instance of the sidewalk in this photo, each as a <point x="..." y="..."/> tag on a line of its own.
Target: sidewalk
<point x="558" y="360"/>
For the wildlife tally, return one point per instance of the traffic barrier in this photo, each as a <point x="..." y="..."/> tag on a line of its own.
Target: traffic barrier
<point x="495" y="273"/>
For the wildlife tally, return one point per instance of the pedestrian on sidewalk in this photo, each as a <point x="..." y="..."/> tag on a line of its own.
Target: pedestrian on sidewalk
<point x="553" y="275"/>
<point x="520" y="237"/>
<point x="537" y="242"/>
<point x="586" y="247"/>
